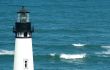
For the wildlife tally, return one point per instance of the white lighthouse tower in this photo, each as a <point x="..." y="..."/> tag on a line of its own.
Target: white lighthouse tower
<point x="23" y="59"/>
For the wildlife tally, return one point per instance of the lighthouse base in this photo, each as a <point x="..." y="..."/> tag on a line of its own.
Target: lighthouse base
<point x="23" y="59"/>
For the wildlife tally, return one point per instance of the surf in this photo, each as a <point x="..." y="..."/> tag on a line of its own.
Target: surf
<point x="72" y="56"/>
<point x="6" y="52"/>
<point x="78" y="44"/>
<point x="107" y="49"/>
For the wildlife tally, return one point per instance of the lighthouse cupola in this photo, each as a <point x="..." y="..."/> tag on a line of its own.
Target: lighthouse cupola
<point x="23" y="26"/>
<point x="23" y="15"/>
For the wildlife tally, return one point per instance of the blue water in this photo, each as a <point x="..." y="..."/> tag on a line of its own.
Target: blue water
<point x="59" y="24"/>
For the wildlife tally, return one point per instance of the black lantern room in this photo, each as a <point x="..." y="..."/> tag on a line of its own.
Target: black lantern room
<point x="23" y="28"/>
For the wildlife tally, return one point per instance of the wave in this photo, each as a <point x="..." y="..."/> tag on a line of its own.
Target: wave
<point x="52" y="54"/>
<point x="106" y="47"/>
<point x="106" y="52"/>
<point x="78" y="44"/>
<point x="68" y="56"/>
<point x="6" y="52"/>
<point x="72" y="56"/>
<point x="59" y="56"/>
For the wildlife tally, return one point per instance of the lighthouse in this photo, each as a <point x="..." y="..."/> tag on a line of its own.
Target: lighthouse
<point x="23" y="58"/>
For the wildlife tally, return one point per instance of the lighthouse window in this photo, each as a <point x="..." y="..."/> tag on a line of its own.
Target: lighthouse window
<point x="25" y="34"/>
<point x="23" y="17"/>
<point x="26" y="64"/>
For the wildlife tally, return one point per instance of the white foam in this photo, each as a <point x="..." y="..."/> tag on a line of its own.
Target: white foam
<point x="72" y="56"/>
<point x="79" y="44"/>
<point x="52" y="54"/>
<point x="105" y="52"/>
<point x="6" y="52"/>
<point x="106" y="47"/>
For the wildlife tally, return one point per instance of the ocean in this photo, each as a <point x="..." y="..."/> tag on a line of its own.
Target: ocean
<point x="69" y="34"/>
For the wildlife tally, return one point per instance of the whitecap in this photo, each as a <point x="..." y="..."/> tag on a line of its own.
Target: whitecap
<point x="72" y="56"/>
<point x="106" y="47"/>
<point x="106" y="52"/>
<point x="52" y="54"/>
<point x="6" y="52"/>
<point x="78" y="44"/>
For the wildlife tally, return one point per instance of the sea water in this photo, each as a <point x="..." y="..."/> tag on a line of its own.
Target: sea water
<point x="69" y="34"/>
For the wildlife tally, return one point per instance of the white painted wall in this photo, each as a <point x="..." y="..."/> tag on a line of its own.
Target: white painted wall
<point x="23" y="51"/>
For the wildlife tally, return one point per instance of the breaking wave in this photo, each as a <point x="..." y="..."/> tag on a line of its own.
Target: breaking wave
<point x="78" y="44"/>
<point x="107" y="49"/>
<point x="52" y="54"/>
<point x="106" y="52"/>
<point x="72" y="56"/>
<point x="6" y="52"/>
<point x="69" y="56"/>
<point x="60" y="56"/>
